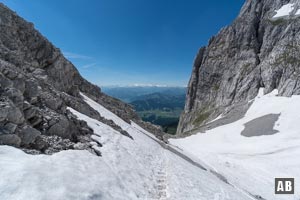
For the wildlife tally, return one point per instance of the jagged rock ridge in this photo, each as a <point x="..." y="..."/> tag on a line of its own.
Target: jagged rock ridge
<point x="257" y="50"/>
<point x="37" y="84"/>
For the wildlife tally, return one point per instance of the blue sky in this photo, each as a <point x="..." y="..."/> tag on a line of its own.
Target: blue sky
<point x="126" y="42"/>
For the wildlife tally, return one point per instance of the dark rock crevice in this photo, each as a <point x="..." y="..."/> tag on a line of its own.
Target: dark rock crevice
<point x="194" y="80"/>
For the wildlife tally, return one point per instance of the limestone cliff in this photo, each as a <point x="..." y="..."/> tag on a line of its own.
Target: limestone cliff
<point x="37" y="84"/>
<point x="260" y="49"/>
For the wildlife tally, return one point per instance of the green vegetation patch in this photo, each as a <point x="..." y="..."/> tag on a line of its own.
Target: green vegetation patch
<point x="245" y="69"/>
<point x="168" y="120"/>
<point x="290" y="55"/>
<point x="277" y="21"/>
<point x="216" y="87"/>
<point x="201" y="117"/>
<point x="287" y="58"/>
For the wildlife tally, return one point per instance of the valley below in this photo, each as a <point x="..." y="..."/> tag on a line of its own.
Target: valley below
<point x="161" y="106"/>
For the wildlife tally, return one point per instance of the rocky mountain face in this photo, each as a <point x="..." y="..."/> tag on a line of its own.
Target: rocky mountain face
<point x="260" y="49"/>
<point x="37" y="84"/>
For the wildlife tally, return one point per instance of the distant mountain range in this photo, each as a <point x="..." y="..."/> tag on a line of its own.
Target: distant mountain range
<point x="159" y="101"/>
<point x="159" y="105"/>
<point x="131" y="93"/>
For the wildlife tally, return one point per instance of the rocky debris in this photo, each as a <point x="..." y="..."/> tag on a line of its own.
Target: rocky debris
<point x="80" y="146"/>
<point x="255" y="51"/>
<point x="57" y="144"/>
<point x="37" y="85"/>
<point x="112" y="124"/>
<point x="87" y="110"/>
<point x="121" y="109"/>
<point x="96" y="142"/>
<point x="97" y="151"/>
<point x="33" y="114"/>
<point x="153" y="129"/>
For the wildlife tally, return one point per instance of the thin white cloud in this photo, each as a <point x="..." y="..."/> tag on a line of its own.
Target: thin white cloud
<point x="71" y="55"/>
<point x="147" y="85"/>
<point x="89" y="65"/>
<point x="142" y="85"/>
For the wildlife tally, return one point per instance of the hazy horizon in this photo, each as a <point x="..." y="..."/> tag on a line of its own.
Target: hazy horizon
<point x="144" y="85"/>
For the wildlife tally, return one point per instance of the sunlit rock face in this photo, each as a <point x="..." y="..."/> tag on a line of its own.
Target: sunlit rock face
<point x="261" y="48"/>
<point x="37" y="84"/>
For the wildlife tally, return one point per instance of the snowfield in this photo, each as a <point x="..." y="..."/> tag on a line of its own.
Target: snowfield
<point x="129" y="169"/>
<point x="238" y="167"/>
<point x="252" y="163"/>
<point x="284" y="11"/>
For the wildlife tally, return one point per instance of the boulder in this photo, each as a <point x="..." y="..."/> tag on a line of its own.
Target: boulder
<point x="28" y="135"/>
<point x="31" y="88"/>
<point x="60" y="128"/>
<point x="9" y="112"/>
<point x="19" y="83"/>
<point x="15" y="96"/>
<point x="4" y="108"/>
<point x="8" y="128"/>
<point x="40" y="144"/>
<point x="15" y="115"/>
<point x="5" y="82"/>
<point x="10" y="139"/>
<point x="30" y="112"/>
<point x="51" y="101"/>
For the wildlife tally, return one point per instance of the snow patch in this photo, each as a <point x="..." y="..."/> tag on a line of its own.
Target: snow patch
<point x="128" y="170"/>
<point x="252" y="163"/>
<point x="217" y="118"/>
<point x="149" y="170"/>
<point x="76" y="175"/>
<point x="284" y="11"/>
